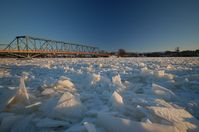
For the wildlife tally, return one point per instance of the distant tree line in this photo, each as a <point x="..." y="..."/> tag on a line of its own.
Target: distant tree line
<point x="176" y="53"/>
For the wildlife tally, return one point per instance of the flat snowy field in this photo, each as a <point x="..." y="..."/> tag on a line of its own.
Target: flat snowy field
<point x="99" y="95"/>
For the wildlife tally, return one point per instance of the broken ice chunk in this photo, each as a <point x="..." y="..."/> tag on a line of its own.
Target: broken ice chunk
<point x="162" y="92"/>
<point x="4" y="72"/>
<point x="117" y="80"/>
<point x="115" y="124"/>
<point x="48" y="91"/>
<point x="182" y="119"/>
<point x="65" y="82"/>
<point x="141" y="64"/>
<point x="136" y="112"/>
<point x="67" y="105"/>
<point x="116" y="100"/>
<point x="22" y="89"/>
<point x="170" y="67"/>
<point x="96" y="78"/>
<point x="21" y="97"/>
<point x="169" y="76"/>
<point x="159" y="73"/>
<point x="144" y="69"/>
<point x="25" y="75"/>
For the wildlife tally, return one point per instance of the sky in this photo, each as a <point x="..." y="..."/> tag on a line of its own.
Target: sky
<point x="134" y="25"/>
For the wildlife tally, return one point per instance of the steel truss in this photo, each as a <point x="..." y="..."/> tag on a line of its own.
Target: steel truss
<point x="27" y="46"/>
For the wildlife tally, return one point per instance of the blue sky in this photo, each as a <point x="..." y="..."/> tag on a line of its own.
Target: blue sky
<point x="135" y="25"/>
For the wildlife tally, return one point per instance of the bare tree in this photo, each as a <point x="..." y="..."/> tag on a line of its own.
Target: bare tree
<point x="121" y="53"/>
<point x="177" y="49"/>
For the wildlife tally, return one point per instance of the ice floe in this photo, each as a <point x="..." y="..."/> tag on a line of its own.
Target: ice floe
<point x="99" y="94"/>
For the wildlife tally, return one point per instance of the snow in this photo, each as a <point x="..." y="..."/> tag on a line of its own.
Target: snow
<point x="99" y="94"/>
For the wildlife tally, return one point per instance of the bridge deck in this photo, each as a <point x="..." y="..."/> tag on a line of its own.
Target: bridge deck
<point x="52" y="52"/>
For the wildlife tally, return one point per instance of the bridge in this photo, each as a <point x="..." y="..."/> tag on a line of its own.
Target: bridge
<point x="30" y="47"/>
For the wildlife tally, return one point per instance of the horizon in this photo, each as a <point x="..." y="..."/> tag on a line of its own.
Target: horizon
<point x="136" y="26"/>
<point x="102" y="49"/>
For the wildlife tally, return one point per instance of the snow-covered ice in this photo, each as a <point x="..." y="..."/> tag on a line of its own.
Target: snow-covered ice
<point x="99" y="94"/>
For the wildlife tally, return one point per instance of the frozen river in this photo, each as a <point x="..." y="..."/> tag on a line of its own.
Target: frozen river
<point x="99" y="94"/>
